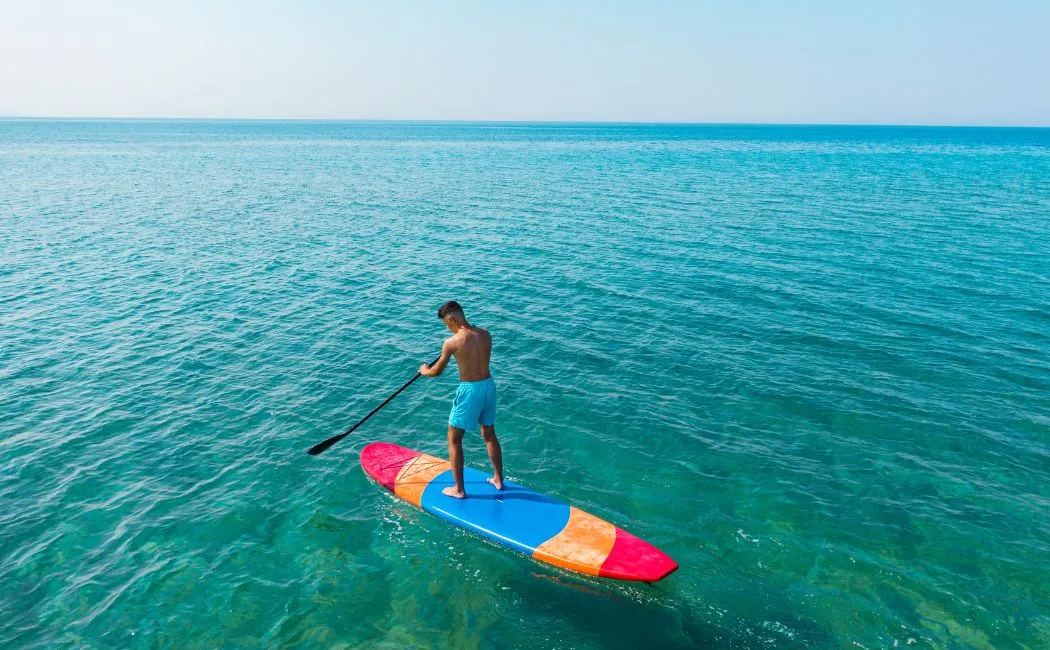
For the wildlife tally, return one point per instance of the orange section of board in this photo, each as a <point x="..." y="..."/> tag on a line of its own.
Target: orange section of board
<point x="581" y="546"/>
<point x="416" y="475"/>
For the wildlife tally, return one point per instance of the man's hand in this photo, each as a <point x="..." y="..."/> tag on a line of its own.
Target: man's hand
<point x="442" y="361"/>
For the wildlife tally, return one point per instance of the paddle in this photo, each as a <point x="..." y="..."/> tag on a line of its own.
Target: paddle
<point x="321" y="447"/>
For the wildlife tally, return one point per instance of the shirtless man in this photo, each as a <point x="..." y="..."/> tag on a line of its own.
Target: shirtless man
<point x="475" y="401"/>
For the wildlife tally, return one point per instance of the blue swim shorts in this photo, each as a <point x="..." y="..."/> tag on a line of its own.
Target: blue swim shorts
<point x="475" y="403"/>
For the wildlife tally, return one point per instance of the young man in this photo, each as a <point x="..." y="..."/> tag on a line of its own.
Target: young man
<point x="475" y="402"/>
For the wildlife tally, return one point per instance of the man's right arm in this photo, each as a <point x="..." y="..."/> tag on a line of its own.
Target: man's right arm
<point x="442" y="362"/>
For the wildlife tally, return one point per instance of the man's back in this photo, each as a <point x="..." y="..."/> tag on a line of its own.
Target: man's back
<point x="472" y="347"/>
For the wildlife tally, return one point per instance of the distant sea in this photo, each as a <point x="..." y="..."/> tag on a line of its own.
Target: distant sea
<point x="811" y="363"/>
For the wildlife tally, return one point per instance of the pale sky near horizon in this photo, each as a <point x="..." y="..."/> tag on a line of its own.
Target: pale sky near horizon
<point x="810" y="61"/>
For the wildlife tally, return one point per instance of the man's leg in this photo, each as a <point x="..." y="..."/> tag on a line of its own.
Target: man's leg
<point x="455" y="456"/>
<point x="495" y="455"/>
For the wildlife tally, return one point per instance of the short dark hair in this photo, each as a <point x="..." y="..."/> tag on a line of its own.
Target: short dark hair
<point x="449" y="308"/>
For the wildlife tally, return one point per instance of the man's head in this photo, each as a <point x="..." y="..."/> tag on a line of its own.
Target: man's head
<point x="452" y="315"/>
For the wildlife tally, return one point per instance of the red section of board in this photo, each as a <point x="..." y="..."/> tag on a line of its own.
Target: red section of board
<point x="382" y="461"/>
<point x="635" y="559"/>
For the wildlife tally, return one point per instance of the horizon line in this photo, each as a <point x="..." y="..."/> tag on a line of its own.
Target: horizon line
<point x="51" y="118"/>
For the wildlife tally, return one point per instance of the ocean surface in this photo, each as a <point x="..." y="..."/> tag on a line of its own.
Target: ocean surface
<point x="810" y="363"/>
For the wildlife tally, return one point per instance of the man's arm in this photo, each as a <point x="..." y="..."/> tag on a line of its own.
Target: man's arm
<point x="439" y="367"/>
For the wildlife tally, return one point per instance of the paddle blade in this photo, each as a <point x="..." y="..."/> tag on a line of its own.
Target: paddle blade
<point x="322" y="446"/>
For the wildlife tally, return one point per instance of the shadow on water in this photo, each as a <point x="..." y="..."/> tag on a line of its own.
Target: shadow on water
<point x="578" y="587"/>
<point x="639" y="615"/>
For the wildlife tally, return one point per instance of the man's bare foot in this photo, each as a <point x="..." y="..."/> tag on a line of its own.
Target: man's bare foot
<point x="496" y="482"/>
<point x="451" y="491"/>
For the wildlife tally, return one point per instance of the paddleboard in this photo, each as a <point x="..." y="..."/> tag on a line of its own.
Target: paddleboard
<point x="526" y="521"/>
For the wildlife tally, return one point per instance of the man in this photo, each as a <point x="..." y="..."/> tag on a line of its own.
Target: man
<point x="475" y="402"/>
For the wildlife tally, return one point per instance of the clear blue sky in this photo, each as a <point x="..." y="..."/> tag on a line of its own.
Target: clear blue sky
<point x="825" y="61"/>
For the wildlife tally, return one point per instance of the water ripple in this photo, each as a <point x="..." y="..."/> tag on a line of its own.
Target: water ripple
<point x="809" y="362"/>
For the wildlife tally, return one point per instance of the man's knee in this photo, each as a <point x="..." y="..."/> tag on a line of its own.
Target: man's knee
<point x="455" y="435"/>
<point x="488" y="433"/>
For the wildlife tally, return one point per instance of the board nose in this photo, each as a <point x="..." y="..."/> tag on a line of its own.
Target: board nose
<point x="383" y="460"/>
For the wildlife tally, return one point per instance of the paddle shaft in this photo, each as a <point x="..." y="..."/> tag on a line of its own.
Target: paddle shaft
<point x="320" y="447"/>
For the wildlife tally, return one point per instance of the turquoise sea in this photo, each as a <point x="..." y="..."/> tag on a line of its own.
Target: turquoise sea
<point x="810" y="363"/>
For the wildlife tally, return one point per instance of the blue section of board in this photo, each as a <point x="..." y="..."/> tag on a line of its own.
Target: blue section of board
<point x="517" y="516"/>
